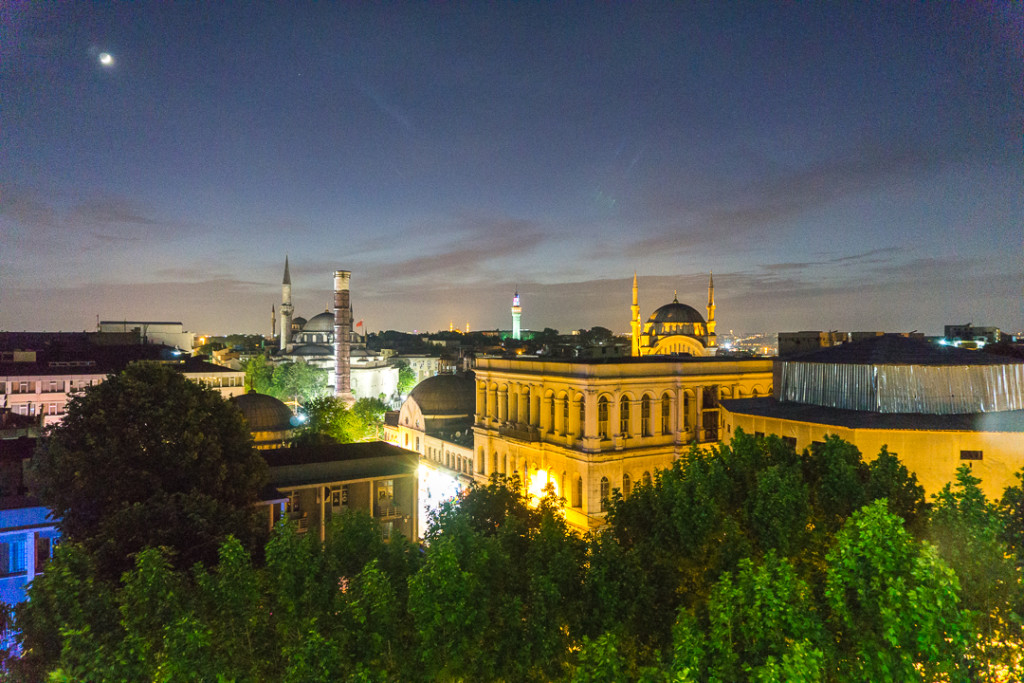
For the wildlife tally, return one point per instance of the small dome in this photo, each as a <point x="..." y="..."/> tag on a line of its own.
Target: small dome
<point x="263" y="413"/>
<point x="298" y="321"/>
<point x="446" y="395"/>
<point x="676" y="312"/>
<point x="323" y="322"/>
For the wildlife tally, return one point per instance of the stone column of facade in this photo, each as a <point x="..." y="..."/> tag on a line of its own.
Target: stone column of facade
<point x="523" y="409"/>
<point x="481" y="402"/>
<point x="589" y="434"/>
<point x="513" y="403"/>
<point x="343" y="337"/>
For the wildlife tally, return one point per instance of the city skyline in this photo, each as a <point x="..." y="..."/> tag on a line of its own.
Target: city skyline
<point x="836" y="167"/>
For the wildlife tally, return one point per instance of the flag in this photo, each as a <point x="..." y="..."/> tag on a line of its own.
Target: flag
<point x="359" y="324"/>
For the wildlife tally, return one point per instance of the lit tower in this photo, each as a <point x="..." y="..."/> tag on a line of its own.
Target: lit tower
<point x="711" y="310"/>
<point x="286" y="307"/>
<point x="634" y="324"/>
<point x="342" y="337"/>
<point x="517" y="312"/>
<point x="273" y="322"/>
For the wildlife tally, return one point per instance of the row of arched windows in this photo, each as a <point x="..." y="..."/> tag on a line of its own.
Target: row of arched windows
<point x="627" y="488"/>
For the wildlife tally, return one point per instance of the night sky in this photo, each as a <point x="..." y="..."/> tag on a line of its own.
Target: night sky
<point x="852" y="166"/>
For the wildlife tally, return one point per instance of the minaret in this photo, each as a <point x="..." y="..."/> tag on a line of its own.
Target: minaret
<point x="286" y="307"/>
<point x="342" y="337"/>
<point x="711" y="311"/>
<point x="517" y="312"/>
<point x="273" y="322"/>
<point x="634" y="324"/>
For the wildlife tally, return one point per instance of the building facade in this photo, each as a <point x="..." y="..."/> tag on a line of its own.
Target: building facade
<point x="586" y="427"/>
<point x="935" y="407"/>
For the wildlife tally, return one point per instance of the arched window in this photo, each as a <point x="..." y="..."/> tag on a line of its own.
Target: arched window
<point x="645" y="416"/>
<point x="605" y="493"/>
<point x="626" y="483"/>
<point x="565" y="414"/>
<point x="577" y="494"/>
<point x="561" y="488"/>
<point x="583" y="416"/>
<point x="624" y="415"/>
<point x="494" y="462"/>
<point x="647" y="479"/>
<point x="525" y="418"/>
<point x="551" y="415"/>
<point x="602" y="417"/>
<point x="666" y="414"/>
<point x="686" y="411"/>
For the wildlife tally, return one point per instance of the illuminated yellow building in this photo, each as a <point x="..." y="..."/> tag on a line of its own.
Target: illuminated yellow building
<point x="588" y="426"/>
<point x="935" y="407"/>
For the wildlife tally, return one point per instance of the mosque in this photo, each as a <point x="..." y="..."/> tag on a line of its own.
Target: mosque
<point x="674" y="329"/>
<point x="313" y="342"/>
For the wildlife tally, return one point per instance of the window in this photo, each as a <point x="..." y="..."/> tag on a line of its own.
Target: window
<point x="602" y="417"/>
<point x="577" y="498"/>
<point x="626" y="483"/>
<point x="758" y="435"/>
<point x="12" y="557"/>
<point x="789" y="441"/>
<point x="645" y="416"/>
<point x="970" y="455"/>
<point x="583" y="415"/>
<point x="525" y="418"/>
<point x="666" y="414"/>
<point x="42" y="552"/>
<point x="647" y="479"/>
<point x="624" y="415"/>
<point x="686" y="411"/>
<point x="565" y="414"/>
<point x="605" y="493"/>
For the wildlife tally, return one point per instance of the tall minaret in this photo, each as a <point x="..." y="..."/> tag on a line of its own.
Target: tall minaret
<point x="343" y="337"/>
<point x="286" y="307"/>
<point x="273" y="322"/>
<point x="711" y="311"/>
<point x="634" y="324"/>
<point x="517" y="312"/>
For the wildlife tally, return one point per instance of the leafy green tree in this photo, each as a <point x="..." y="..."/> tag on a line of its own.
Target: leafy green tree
<point x="967" y="530"/>
<point x="149" y="458"/>
<point x="329" y="420"/>
<point x="893" y="604"/>
<point x="1011" y="509"/>
<point x="406" y="377"/>
<point x="259" y="375"/>
<point x="369" y="414"/>
<point x="298" y="382"/>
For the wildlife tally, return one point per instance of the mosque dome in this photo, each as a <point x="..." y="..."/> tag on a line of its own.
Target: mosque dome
<point x="323" y="322"/>
<point x="312" y="350"/>
<point x="298" y="321"/>
<point x="263" y="413"/>
<point x="446" y="395"/>
<point x="676" y="312"/>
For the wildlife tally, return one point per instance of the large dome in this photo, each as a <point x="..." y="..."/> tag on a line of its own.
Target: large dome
<point x="323" y="322"/>
<point x="676" y="312"/>
<point x="446" y="395"/>
<point x="263" y="413"/>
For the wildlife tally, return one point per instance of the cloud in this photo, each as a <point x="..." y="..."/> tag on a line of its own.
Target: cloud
<point x="776" y="196"/>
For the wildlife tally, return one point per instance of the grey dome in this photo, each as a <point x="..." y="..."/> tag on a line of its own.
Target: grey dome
<point x="323" y="322"/>
<point x="676" y="312"/>
<point x="446" y="395"/>
<point x="263" y="413"/>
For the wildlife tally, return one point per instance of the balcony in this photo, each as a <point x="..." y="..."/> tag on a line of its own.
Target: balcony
<point x="386" y="509"/>
<point x="520" y="432"/>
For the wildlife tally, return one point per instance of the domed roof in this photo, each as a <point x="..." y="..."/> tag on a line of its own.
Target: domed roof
<point x="323" y="322"/>
<point x="676" y="312"/>
<point x="263" y="413"/>
<point x="446" y="395"/>
<point x="298" y="320"/>
<point x="312" y="350"/>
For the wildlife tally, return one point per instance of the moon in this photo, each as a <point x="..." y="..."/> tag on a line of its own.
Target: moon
<point x="106" y="59"/>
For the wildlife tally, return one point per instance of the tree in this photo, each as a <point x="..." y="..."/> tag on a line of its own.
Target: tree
<point x="149" y="458"/>
<point x="967" y="530"/>
<point x="298" y="382"/>
<point x="894" y="605"/>
<point x="369" y="415"/>
<point x="259" y="375"/>
<point x="406" y="377"/>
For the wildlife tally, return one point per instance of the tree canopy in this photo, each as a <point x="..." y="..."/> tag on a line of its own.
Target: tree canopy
<point x="148" y="458"/>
